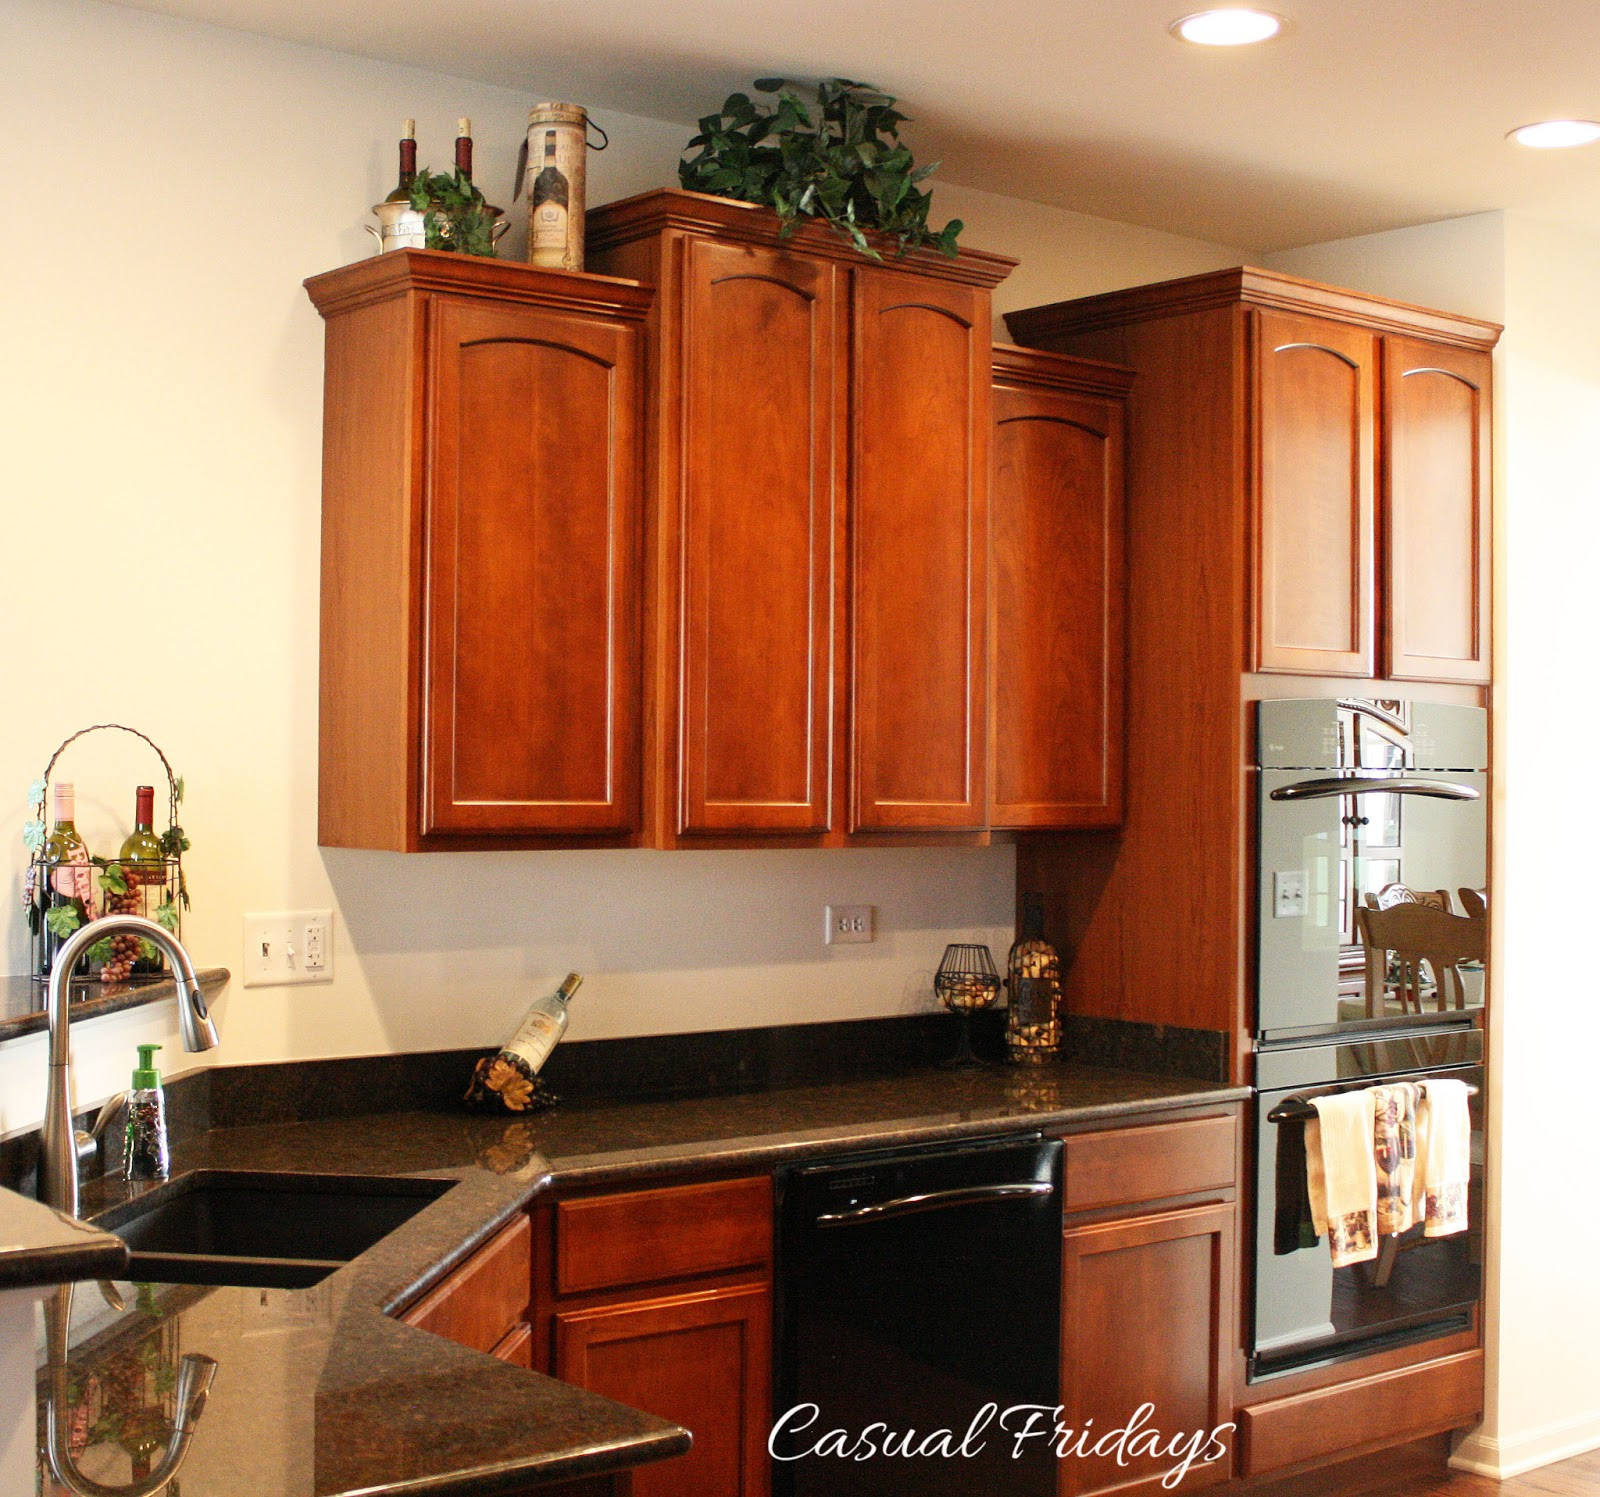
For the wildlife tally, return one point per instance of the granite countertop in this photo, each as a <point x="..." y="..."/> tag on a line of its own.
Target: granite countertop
<point x="39" y="1245"/>
<point x="320" y="1391"/>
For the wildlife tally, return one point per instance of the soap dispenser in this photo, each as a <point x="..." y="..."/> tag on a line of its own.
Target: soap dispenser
<point x="144" y="1151"/>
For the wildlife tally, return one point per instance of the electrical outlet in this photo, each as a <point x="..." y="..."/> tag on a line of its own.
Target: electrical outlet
<point x="847" y="923"/>
<point x="1289" y="895"/>
<point x="292" y="946"/>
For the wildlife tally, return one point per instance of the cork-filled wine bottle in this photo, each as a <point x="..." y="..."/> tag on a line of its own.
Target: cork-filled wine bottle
<point x="1033" y="988"/>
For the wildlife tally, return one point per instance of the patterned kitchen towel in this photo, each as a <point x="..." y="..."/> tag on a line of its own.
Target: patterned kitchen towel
<point x="1446" y="1143"/>
<point x="1292" y="1227"/>
<point x="1394" y="1147"/>
<point x="1342" y="1175"/>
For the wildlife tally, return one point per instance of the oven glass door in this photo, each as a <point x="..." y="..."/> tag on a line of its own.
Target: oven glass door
<point x="1306" y="1311"/>
<point x="1334" y="861"/>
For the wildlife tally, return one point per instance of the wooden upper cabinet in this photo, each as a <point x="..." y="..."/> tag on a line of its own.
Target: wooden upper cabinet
<point x="756" y="501"/>
<point x="918" y="557"/>
<point x="533" y="514"/>
<point x="1056" y="591"/>
<point x="1316" y="496"/>
<point x="482" y="458"/>
<point x="1436" y="434"/>
<point x="818" y="445"/>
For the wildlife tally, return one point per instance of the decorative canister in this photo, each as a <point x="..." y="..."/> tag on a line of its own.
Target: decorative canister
<point x="1033" y="986"/>
<point x="553" y="178"/>
<point x="401" y="226"/>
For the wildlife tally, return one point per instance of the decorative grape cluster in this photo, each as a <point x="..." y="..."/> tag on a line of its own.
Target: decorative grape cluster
<point x="124" y="948"/>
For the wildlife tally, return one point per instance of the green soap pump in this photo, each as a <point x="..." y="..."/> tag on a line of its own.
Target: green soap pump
<point x="144" y="1149"/>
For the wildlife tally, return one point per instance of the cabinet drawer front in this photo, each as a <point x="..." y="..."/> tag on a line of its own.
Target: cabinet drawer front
<point x="921" y="397"/>
<point x="1315" y="424"/>
<point x="1436" y="511"/>
<point x="516" y="1347"/>
<point x="757" y="516"/>
<point x="532" y="572"/>
<point x="1151" y="1163"/>
<point x="483" y="1302"/>
<point x="1387" y="1408"/>
<point x="644" y="1236"/>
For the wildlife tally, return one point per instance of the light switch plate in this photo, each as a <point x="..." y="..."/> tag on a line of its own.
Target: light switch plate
<point x="1289" y="894"/>
<point x="849" y="923"/>
<point x="287" y="948"/>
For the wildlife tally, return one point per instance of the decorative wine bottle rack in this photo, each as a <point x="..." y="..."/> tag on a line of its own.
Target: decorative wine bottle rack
<point x="52" y="914"/>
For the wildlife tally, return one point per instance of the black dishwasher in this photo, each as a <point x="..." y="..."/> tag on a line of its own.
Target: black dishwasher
<point x="919" y="1323"/>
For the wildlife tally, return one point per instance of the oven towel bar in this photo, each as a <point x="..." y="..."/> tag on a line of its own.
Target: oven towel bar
<point x="1298" y="1110"/>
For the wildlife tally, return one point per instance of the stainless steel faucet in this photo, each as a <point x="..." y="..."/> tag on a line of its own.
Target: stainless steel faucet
<point x="59" y="1155"/>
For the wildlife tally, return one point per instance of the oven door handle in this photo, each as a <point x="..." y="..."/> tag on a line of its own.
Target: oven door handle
<point x="1325" y="789"/>
<point x="1298" y="1108"/>
<point x="934" y="1200"/>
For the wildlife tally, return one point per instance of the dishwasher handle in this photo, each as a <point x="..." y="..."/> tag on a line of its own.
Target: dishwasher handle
<point x="935" y="1200"/>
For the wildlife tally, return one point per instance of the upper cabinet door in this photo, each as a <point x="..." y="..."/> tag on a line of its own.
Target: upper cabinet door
<point x="756" y="536"/>
<point x="920" y="478"/>
<point x="532" y="515"/>
<point x="1316" y="488"/>
<point x="1436" y="439"/>
<point x="1056" y="581"/>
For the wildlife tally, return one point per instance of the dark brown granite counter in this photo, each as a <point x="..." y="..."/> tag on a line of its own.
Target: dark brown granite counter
<point x="320" y="1392"/>
<point x="41" y="1246"/>
<point x="22" y="998"/>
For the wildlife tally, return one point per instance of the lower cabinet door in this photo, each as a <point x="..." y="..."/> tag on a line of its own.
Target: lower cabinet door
<point x="1146" y="1308"/>
<point x="701" y="1359"/>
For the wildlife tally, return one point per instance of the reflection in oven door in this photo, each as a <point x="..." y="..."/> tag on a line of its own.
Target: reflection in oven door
<point x="1308" y="1312"/>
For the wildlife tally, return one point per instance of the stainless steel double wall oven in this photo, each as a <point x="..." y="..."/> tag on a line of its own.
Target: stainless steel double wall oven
<point x="1372" y="874"/>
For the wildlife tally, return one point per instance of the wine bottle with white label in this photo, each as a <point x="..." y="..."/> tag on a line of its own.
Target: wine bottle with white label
<point x="506" y="1081"/>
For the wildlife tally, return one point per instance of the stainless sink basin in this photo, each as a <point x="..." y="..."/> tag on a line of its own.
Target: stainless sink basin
<point x="271" y="1231"/>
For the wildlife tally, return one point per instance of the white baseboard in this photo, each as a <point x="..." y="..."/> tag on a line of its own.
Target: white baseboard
<point x="1501" y="1459"/>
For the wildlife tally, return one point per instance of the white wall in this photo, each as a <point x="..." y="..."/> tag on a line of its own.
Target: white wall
<point x="161" y="397"/>
<point x="1543" y="1300"/>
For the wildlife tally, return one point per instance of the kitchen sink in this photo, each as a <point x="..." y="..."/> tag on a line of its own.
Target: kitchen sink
<point x="262" y="1230"/>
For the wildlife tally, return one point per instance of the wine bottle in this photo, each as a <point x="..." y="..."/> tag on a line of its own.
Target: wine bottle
<point x="548" y="243"/>
<point x="408" y="165"/>
<point x="143" y="861"/>
<point x="464" y="149"/>
<point x="69" y="876"/>
<point x="506" y="1080"/>
<point x="1033" y="986"/>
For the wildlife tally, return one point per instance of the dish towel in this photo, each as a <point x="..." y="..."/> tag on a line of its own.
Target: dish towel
<point x="1394" y="1146"/>
<point x="1342" y="1174"/>
<point x="1292" y="1227"/>
<point x="1444" y="1147"/>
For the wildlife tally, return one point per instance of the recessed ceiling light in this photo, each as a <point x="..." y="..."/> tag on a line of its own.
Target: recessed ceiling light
<point x="1553" y="135"/>
<point x="1233" y="27"/>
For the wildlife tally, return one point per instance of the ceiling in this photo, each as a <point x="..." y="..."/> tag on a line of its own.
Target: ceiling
<point x="1364" y="115"/>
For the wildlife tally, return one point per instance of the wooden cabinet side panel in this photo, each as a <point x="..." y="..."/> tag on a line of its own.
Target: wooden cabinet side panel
<point x="756" y="516"/>
<point x="1437" y="511"/>
<point x="1149" y="921"/>
<point x="1316" y="489"/>
<point x="1057" y="580"/>
<point x="532" y="579"/>
<point x="1147" y="1307"/>
<point x="701" y="1359"/>
<point x="921" y="395"/>
<point x="484" y="1302"/>
<point x="371" y="556"/>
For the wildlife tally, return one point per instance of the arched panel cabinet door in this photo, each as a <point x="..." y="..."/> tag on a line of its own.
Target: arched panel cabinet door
<point x="1315" y="465"/>
<point x="918" y="566"/>
<point x="531" y="581"/>
<point x="1057" y="581"/>
<point x="1436" y="513"/>
<point x="756" y="544"/>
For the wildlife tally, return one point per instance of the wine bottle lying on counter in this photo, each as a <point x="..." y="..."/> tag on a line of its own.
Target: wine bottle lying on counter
<point x="508" y="1080"/>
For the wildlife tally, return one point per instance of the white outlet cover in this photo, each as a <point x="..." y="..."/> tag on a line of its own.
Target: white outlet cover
<point x="846" y="924"/>
<point x="286" y="948"/>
